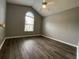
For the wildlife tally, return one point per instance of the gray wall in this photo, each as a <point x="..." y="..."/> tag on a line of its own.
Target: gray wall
<point x="2" y="18"/>
<point x="63" y="26"/>
<point x="16" y="19"/>
<point x="2" y="11"/>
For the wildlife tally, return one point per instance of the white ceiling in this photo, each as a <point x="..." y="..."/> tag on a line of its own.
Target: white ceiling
<point x="56" y="7"/>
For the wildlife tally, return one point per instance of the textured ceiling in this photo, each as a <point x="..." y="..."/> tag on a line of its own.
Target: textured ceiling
<point x="55" y="7"/>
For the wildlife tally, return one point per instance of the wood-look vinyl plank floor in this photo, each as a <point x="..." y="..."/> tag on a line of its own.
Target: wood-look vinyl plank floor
<point x="36" y="48"/>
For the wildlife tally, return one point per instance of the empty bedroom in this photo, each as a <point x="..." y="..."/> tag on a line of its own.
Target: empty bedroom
<point x="39" y="29"/>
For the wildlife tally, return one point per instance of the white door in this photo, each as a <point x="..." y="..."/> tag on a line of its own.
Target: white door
<point x="78" y="51"/>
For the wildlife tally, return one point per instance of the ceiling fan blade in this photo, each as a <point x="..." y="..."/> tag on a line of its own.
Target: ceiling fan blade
<point x="49" y="0"/>
<point x="44" y="0"/>
<point x="50" y="3"/>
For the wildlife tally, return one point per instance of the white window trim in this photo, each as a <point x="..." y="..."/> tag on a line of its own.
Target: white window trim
<point x="29" y="24"/>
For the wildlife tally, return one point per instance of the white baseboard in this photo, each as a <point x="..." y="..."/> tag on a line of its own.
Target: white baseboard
<point x="17" y="37"/>
<point x="2" y="43"/>
<point x="60" y="41"/>
<point x="36" y="35"/>
<point x="22" y="36"/>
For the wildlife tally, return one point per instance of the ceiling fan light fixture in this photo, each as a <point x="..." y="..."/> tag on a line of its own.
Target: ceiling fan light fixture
<point x="44" y="4"/>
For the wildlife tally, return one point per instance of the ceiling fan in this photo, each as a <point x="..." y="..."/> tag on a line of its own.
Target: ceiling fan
<point x="46" y="3"/>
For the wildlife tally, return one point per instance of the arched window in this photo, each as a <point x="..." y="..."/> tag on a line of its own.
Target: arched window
<point x="29" y="22"/>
